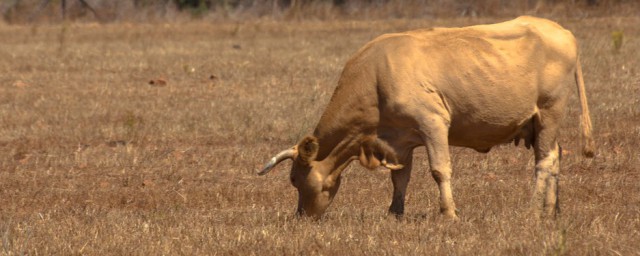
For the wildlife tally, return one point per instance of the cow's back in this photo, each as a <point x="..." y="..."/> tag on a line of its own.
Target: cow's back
<point x="488" y="79"/>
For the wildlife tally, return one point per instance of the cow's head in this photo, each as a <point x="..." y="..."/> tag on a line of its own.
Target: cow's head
<point x="315" y="188"/>
<point x="317" y="182"/>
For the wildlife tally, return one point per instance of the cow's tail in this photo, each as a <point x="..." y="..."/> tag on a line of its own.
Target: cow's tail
<point x="588" y="146"/>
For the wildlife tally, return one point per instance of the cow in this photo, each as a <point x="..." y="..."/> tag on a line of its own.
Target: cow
<point x="475" y="87"/>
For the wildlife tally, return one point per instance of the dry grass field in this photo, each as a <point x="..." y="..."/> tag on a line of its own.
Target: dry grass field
<point x="144" y="139"/>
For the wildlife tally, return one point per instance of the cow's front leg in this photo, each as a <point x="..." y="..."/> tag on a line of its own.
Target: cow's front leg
<point x="439" y="161"/>
<point x="400" y="179"/>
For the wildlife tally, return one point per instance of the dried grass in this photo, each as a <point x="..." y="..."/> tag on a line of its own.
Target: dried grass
<point x="96" y="160"/>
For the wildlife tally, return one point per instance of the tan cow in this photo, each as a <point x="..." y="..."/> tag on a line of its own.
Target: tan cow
<point x="474" y="87"/>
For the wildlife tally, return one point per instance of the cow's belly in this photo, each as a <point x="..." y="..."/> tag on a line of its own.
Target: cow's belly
<point x="485" y="113"/>
<point x="482" y="131"/>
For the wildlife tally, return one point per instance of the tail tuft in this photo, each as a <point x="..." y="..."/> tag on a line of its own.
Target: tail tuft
<point x="588" y="149"/>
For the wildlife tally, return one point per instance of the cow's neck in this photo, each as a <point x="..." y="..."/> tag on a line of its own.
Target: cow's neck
<point x="350" y="117"/>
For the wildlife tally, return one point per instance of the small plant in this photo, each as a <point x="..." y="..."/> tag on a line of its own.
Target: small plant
<point x="617" y="38"/>
<point x="62" y="36"/>
<point x="131" y="124"/>
<point x="198" y="8"/>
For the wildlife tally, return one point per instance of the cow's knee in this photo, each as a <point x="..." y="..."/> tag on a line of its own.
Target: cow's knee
<point x="442" y="176"/>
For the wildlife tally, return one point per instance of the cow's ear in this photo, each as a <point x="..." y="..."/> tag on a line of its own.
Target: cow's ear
<point x="367" y="157"/>
<point x="308" y="149"/>
<point x="374" y="153"/>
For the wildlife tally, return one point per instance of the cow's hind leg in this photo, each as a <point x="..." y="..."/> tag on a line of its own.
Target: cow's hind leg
<point x="545" y="197"/>
<point x="400" y="179"/>
<point x="547" y="169"/>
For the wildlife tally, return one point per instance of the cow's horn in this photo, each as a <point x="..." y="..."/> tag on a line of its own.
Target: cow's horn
<point x="286" y="154"/>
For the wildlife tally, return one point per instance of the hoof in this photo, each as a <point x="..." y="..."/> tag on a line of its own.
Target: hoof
<point x="450" y="215"/>
<point x="397" y="215"/>
<point x="454" y="218"/>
